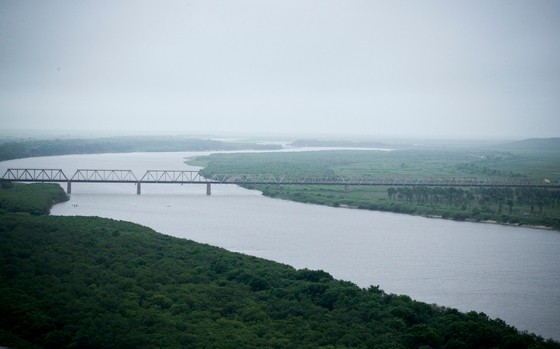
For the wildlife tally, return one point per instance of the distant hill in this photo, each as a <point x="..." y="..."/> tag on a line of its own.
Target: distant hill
<point x="337" y="143"/>
<point x="31" y="148"/>
<point x="538" y="144"/>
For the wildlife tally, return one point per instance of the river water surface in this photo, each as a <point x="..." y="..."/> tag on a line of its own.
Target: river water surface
<point x="508" y="272"/>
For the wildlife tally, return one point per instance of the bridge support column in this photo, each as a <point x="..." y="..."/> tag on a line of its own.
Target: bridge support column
<point x="208" y="189"/>
<point x="68" y="187"/>
<point x="138" y="188"/>
<point x="346" y="188"/>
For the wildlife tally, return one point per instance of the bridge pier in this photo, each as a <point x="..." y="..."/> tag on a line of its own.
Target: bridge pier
<point x="138" y="188"/>
<point x="346" y="188"/>
<point x="69" y="187"/>
<point x="208" y="189"/>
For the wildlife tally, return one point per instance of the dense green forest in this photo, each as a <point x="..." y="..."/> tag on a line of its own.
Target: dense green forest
<point x="36" y="199"/>
<point x="527" y="206"/>
<point x="31" y="148"/>
<point x="86" y="282"/>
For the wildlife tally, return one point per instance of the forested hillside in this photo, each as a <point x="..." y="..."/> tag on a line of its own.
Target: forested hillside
<point x="535" y="144"/>
<point x="84" y="282"/>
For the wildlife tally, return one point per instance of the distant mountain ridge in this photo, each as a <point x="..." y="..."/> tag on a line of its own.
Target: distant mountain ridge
<point x="337" y="143"/>
<point x="541" y="144"/>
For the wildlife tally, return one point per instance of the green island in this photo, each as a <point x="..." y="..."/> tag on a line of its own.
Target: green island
<point x="531" y="159"/>
<point x="88" y="282"/>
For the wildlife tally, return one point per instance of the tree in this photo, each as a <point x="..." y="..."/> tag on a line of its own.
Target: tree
<point x="391" y="192"/>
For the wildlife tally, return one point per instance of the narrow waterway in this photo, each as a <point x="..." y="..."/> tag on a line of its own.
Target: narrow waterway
<point x="507" y="272"/>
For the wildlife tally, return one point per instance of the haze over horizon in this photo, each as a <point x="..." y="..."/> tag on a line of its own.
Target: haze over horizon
<point x="463" y="69"/>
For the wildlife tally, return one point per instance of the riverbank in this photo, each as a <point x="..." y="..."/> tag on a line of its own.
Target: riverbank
<point x="541" y="227"/>
<point x="430" y="216"/>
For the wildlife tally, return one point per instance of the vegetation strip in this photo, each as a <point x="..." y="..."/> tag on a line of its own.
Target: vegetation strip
<point x="32" y="148"/>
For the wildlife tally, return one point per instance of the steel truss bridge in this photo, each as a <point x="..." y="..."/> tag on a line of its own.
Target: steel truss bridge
<point x="195" y="177"/>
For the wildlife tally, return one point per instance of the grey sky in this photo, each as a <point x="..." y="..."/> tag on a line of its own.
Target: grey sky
<point x="376" y="68"/>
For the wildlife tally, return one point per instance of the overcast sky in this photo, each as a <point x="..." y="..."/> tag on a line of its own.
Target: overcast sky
<point x="481" y="69"/>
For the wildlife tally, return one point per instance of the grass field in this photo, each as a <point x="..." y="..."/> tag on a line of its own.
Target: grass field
<point x="538" y="207"/>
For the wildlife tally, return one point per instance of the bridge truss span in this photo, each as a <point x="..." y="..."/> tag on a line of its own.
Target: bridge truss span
<point x="110" y="176"/>
<point x="34" y="175"/>
<point x="341" y="180"/>
<point x="173" y="176"/>
<point x="243" y="179"/>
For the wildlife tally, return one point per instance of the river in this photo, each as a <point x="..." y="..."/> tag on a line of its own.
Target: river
<point x="508" y="272"/>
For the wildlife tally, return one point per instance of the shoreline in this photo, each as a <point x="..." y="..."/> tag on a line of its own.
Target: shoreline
<point x="469" y="220"/>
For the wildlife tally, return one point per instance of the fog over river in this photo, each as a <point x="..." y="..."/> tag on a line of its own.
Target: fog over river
<point x="508" y="272"/>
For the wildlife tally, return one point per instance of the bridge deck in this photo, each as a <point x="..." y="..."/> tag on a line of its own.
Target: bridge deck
<point x="195" y="177"/>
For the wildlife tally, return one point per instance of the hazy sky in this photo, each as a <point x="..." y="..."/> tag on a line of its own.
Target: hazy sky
<point x="488" y="68"/>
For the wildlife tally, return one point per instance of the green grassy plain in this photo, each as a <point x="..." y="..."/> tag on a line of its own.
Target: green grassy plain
<point x="536" y="207"/>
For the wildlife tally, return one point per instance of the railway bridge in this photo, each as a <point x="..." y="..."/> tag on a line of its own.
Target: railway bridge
<point x="196" y="177"/>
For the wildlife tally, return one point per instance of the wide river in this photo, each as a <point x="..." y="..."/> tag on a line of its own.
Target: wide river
<point x="508" y="272"/>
